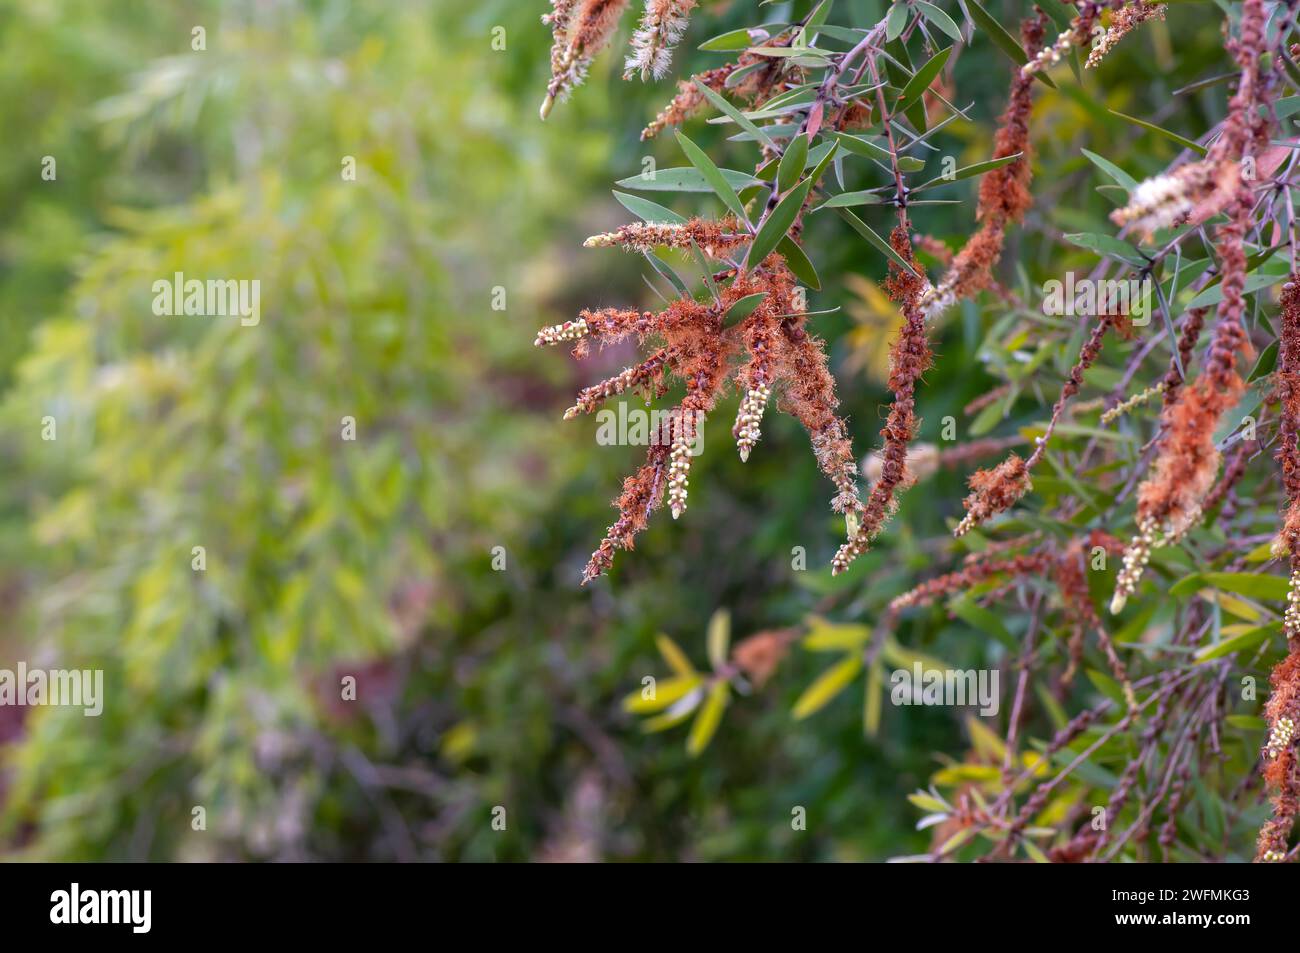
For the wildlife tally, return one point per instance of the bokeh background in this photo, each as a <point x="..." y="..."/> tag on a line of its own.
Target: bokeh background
<point x="478" y="688"/>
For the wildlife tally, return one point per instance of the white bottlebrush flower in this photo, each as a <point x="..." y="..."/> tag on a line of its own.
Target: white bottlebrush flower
<point x="662" y="27"/>
<point x="1167" y="199"/>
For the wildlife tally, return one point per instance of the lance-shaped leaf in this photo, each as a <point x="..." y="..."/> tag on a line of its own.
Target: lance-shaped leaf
<point x="921" y="80"/>
<point x="967" y="171"/>
<point x="734" y="114"/>
<point x="777" y="223"/>
<point x="939" y="19"/>
<point x="684" y="180"/>
<point x="792" y="163"/>
<point x="1111" y="169"/>
<point x="706" y="722"/>
<point x="896" y="21"/>
<point x="713" y="176"/>
<point x="673" y="655"/>
<point x="1107" y="245"/>
<point x="719" y="638"/>
<point x="1171" y="136"/>
<point x="665" y="692"/>
<point x="862" y="147"/>
<point x="742" y="308"/>
<point x="867" y="232"/>
<point x="827" y="685"/>
<point x="648" y="211"/>
<point x="799" y="263"/>
<point x="848" y="199"/>
<point x="668" y="274"/>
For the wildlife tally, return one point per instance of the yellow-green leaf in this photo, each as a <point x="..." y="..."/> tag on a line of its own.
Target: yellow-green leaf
<point x="666" y="691"/>
<point x="673" y="655"/>
<point x="706" y="722"/>
<point x="719" y="638"/>
<point x="827" y="685"/>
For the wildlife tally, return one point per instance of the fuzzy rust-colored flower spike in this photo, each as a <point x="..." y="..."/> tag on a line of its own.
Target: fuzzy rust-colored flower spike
<point x="1283" y="706"/>
<point x="997" y="490"/>
<point x="715" y="239"/>
<point x="1017" y="567"/>
<point x="1125" y="20"/>
<point x="1194" y="192"/>
<point x="1287" y="388"/>
<point x="1072" y="581"/>
<point x="1279" y="758"/>
<point x="1171" y="499"/>
<point x="697" y="349"/>
<point x="581" y="29"/>
<point x="1004" y="195"/>
<point x="1191" y="333"/>
<point x="909" y="358"/>
<point x="662" y="26"/>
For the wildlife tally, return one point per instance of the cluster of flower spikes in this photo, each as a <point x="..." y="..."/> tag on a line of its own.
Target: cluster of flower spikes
<point x="1283" y="706"/>
<point x="582" y="28"/>
<point x="694" y="345"/>
<point x="1172" y="498"/>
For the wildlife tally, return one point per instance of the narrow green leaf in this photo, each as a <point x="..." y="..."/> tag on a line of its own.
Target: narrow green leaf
<point x="731" y="40"/>
<point x="1107" y="245"/>
<point x="1171" y="136"/>
<point x="939" y="19"/>
<point x="1248" y="584"/>
<point x="706" y="722"/>
<point x="734" y="114"/>
<point x="778" y="222"/>
<point x="967" y="171"/>
<point x="707" y="271"/>
<point x="1111" y="169"/>
<point x="1004" y="41"/>
<point x="1237" y="643"/>
<point x="713" y="176"/>
<point x="667" y="691"/>
<point x="921" y="80"/>
<point x="874" y="699"/>
<point x="675" y="715"/>
<point x="861" y="147"/>
<point x="668" y="274"/>
<point x="648" y="211"/>
<point x="718" y="639"/>
<point x="866" y="231"/>
<point x="684" y="180"/>
<point x="799" y="263"/>
<point x="896" y="21"/>
<point x="1267" y="361"/>
<point x="848" y="199"/>
<point x="792" y="163"/>
<point x="742" y="308"/>
<point x="673" y="655"/>
<point x="1213" y="295"/>
<point x="827" y="685"/>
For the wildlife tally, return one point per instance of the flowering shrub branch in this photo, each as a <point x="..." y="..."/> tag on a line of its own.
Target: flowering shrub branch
<point x="812" y="98"/>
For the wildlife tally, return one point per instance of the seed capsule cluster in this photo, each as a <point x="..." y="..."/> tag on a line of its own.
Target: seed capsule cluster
<point x="1291" y="618"/>
<point x="1280" y="737"/>
<point x="1136" y="556"/>
<point x="557" y="333"/>
<point x="678" y="470"/>
<point x="749" y="418"/>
